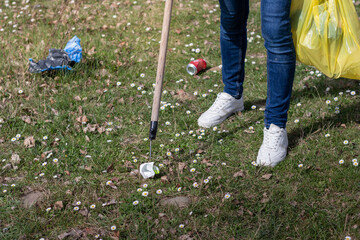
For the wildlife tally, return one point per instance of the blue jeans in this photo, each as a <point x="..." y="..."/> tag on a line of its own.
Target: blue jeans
<point x="281" y="57"/>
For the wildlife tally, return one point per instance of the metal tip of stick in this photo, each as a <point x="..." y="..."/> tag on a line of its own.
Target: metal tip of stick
<point x="150" y="149"/>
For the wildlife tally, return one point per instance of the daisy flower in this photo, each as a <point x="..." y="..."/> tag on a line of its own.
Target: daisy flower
<point x="78" y="203"/>
<point x="177" y="135"/>
<point x="159" y="191"/>
<point x="139" y="190"/>
<point x="192" y="170"/>
<point x="132" y="85"/>
<point x="336" y="99"/>
<point x="167" y="123"/>
<point x="145" y="194"/>
<point x="181" y="226"/>
<point x="347" y="238"/>
<point x="18" y="136"/>
<point x="20" y="91"/>
<point x="352" y="93"/>
<point x="13" y="185"/>
<point x="55" y="160"/>
<point x="142" y="75"/>
<point x="179" y="189"/>
<point x="195" y="185"/>
<point x="354" y="160"/>
<point x="227" y="196"/>
<point x="48" y="209"/>
<point x="188" y="112"/>
<point x="253" y="107"/>
<point x="13" y="139"/>
<point x="145" y="185"/>
<point x="215" y="128"/>
<point x="4" y="191"/>
<point x="194" y="161"/>
<point x="161" y="164"/>
<point x="118" y="84"/>
<point x="162" y="145"/>
<point x="296" y="121"/>
<point x="355" y="164"/>
<point x="177" y="149"/>
<point x="45" y="137"/>
<point x="341" y="161"/>
<point x="328" y="102"/>
<point x="254" y="163"/>
<point x="113" y="228"/>
<point x="298" y="104"/>
<point x="199" y="137"/>
<point x="327" y="135"/>
<point x="92" y="206"/>
<point x="108" y="183"/>
<point x="168" y="154"/>
<point x="300" y="165"/>
<point x="136" y="202"/>
<point x="206" y="180"/>
<point x="346" y="142"/>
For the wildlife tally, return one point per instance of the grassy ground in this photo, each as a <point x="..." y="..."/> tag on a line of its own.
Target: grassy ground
<point x="95" y="121"/>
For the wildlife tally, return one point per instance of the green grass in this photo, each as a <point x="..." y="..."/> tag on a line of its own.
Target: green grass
<point x="120" y="42"/>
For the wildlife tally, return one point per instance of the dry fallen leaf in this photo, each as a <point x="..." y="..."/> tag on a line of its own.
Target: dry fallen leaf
<point x="181" y="166"/>
<point x="207" y="162"/>
<point x="82" y="119"/>
<point x="77" y="98"/>
<point x="183" y="96"/>
<point x="29" y="142"/>
<point x="266" y="176"/>
<point x="58" y="205"/>
<point x="26" y="119"/>
<point x="164" y="179"/>
<point x="239" y="174"/>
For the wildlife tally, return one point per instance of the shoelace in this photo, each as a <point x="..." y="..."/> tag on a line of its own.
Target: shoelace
<point x="271" y="139"/>
<point x="219" y="103"/>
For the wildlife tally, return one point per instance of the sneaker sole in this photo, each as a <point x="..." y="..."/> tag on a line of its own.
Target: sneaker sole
<point x="220" y="120"/>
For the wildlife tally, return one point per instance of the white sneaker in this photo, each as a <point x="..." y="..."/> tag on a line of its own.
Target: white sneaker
<point x="274" y="147"/>
<point x="222" y="108"/>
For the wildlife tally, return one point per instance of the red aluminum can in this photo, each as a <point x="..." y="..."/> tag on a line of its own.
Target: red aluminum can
<point x="196" y="66"/>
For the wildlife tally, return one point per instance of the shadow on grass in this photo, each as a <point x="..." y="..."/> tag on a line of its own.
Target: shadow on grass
<point x="348" y="114"/>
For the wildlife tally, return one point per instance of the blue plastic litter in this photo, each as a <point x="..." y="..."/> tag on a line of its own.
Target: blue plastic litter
<point x="74" y="49"/>
<point x="58" y="58"/>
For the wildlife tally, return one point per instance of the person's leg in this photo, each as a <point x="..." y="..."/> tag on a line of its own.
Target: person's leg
<point x="281" y="59"/>
<point x="233" y="44"/>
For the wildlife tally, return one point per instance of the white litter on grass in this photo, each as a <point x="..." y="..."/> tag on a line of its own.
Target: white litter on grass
<point x="148" y="170"/>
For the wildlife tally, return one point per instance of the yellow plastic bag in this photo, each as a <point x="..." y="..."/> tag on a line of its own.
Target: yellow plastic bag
<point x="326" y="35"/>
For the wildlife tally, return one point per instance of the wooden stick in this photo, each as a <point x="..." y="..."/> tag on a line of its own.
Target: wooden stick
<point x="160" y="68"/>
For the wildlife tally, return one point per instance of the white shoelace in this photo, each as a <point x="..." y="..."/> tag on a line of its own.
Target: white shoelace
<point x="272" y="139"/>
<point x="219" y="104"/>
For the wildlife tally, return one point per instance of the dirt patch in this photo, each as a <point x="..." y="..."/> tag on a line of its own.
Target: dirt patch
<point x="180" y="202"/>
<point x="32" y="198"/>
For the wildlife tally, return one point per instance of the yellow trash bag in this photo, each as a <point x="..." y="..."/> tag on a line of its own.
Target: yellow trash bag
<point x="326" y="35"/>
